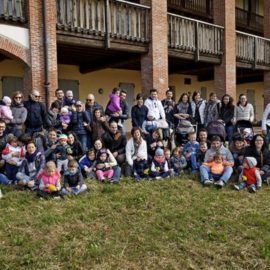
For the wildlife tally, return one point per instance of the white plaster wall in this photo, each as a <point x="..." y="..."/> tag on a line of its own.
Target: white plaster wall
<point x="15" y="33"/>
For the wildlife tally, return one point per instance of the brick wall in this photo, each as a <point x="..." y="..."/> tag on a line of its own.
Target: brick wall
<point x="225" y="74"/>
<point x="154" y="65"/>
<point x="34" y="78"/>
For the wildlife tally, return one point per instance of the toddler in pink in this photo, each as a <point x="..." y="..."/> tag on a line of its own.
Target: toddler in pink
<point x="5" y="110"/>
<point x="103" y="169"/>
<point x="114" y="104"/>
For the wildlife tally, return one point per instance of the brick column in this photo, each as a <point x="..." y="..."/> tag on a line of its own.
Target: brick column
<point x="34" y="77"/>
<point x="266" y="9"/>
<point x="225" y="74"/>
<point x="154" y="64"/>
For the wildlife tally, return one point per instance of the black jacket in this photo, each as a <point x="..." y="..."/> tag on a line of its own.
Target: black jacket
<point x="35" y="114"/>
<point x="263" y="159"/>
<point x="226" y="114"/>
<point x="138" y="115"/>
<point x="115" y="142"/>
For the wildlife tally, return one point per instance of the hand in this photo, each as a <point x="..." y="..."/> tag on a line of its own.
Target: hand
<point x="53" y="146"/>
<point x="159" y="144"/>
<point x="153" y="145"/>
<point x="102" y="118"/>
<point x="2" y="163"/>
<point x="68" y="189"/>
<point x="85" y="124"/>
<point x="100" y="166"/>
<point x="78" y="187"/>
<point x="115" y="154"/>
<point x="264" y="132"/>
<point x="58" y="155"/>
<point x="64" y="126"/>
<point x="12" y="162"/>
<point x="262" y="172"/>
<point x="70" y="157"/>
<point x="16" y="154"/>
<point x="188" y="155"/>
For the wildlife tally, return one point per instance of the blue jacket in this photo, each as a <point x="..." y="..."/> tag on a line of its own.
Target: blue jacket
<point x="35" y="114"/>
<point x="85" y="161"/>
<point x="138" y="115"/>
<point x="77" y="120"/>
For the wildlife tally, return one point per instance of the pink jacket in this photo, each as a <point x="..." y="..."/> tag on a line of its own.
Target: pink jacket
<point x="46" y="179"/>
<point x="5" y="113"/>
<point x="114" y="105"/>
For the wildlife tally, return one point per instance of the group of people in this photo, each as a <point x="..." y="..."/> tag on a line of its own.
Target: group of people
<point x="77" y="140"/>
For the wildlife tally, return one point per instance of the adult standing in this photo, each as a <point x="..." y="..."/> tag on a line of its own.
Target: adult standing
<point x="136" y="154"/>
<point x="138" y="112"/>
<point x="211" y="111"/>
<point x="226" y="113"/>
<point x="258" y="150"/>
<point x="92" y="105"/>
<point x="80" y="120"/>
<point x="244" y="111"/>
<point x="155" y="106"/>
<point x="198" y="107"/>
<point x="182" y="110"/>
<point x="36" y="113"/>
<point x="228" y="161"/>
<point x="19" y="113"/>
<point x="59" y="94"/>
<point x="266" y="123"/>
<point x="115" y="141"/>
<point x="168" y="104"/>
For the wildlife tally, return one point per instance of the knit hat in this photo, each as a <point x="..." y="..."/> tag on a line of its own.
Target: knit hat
<point x="64" y="110"/>
<point x="6" y="100"/>
<point x="63" y="137"/>
<point x="78" y="103"/>
<point x="159" y="152"/>
<point x="69" y="93"/>
<point x="251" y="161"/>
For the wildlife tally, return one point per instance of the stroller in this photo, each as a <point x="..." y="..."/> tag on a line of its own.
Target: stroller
<point x="245" y="129"/>
<point x="216" y="128"/>
<point x="181" y="132"/>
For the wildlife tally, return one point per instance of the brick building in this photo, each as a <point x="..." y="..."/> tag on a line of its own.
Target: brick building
<point x="95" y="45"/>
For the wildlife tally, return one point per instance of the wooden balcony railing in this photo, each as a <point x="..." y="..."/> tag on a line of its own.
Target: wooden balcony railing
<point x="200" y="7"/>
<point x="115" y="19"/>
<point x="249" y="20"/>
<point x="12" y="10"/>
<point x="195" y="36"/>
<point x="252" y="49"/>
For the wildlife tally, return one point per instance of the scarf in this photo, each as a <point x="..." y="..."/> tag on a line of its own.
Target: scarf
<point x="31" y="157"/>
<point x="182" y="107"/>
<point x="136" y="146"/>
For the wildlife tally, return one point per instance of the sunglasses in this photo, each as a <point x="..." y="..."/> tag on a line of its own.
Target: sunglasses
<point x="18" y="97"/>
<point x="89" y="99"/>
<point x="37" y="96"/>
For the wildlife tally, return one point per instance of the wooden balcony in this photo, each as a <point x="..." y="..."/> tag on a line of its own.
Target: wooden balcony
<point x="194" y="39"/>
<point x="246" y="20"/>
<point x="252" y="51"/>
<point x="200" y="8"/>
<point x="112" y="24"/>
<point x="12" y="11"/>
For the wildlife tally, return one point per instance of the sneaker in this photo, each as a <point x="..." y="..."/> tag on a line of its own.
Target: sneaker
<point x="236" y="187"/>
<point x="22" y="183"/>
<point x="252" y="189"/>
<point x="219" y="183"/>
<point x="158" y="177"/>
<point x="137" y="178"/>
<point x="208" y="182"/>
<point x="1" y="194"/>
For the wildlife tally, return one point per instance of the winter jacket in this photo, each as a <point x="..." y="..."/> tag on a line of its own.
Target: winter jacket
<point x="35" y="114"/>
<point x="98" y="128"/>
<point x="252" y="176"/>
<point x="138" y="115"/>
<point x="266" y="117"/>
<point x="114" y="104"/>
<point x="33" y="169"/>
<point x="227" y="155"/>
<point x="226" y="114"/>
<point x="85" y="162"/>
<point x="201" y="106"/>
<point x="63" y="150"/>
<point x="10" y="150"/>
<point x="155" y="106"/>
<point x="132" y="153"/>
<point x="168" y="106"/>
<point x="244" y="113"/>
<point x="92" y="108"/>
<point x="76" y="150"/>
<point x="77" y="120"/>
<point x="115" y="142"/>
<point x="46" y="179"/>
<point x="52" y="120"/>
<point x="5" y="114"/>
<point x="19" y="113"/>
<point x="73" y="180"/>
<point x="211" y="112"/>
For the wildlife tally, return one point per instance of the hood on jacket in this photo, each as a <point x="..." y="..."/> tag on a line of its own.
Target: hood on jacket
<point x="251" y="161"/>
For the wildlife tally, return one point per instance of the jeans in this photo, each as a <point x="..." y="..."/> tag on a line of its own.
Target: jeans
<point x="206" y="175"/>
<point x="243" y="185"/>
<point x="194" y="164"/>
<point x="62" y="164"/>
<point x="116" y="174"/>
<point x="4" y="180"/>
<point x="11" y="171"/>
<point x="21" y="176"/>
<point x="83" y="140"/>
<point x="229" y="132"/>
<point x="74" y="190"/>
<point x="31" y="131"/>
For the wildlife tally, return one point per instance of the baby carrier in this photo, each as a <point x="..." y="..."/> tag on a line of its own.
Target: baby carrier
<point x="216" y="128"/>
<point x="245" y="128"/>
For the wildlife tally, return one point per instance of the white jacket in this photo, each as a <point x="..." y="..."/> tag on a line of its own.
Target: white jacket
<point x="130" y="151"/>
<point x="265" y="117"/>
<point x="156" y="108"/>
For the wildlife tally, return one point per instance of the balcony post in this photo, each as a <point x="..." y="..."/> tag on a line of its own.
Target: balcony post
<point x="154" y="64"/>
<point x="266" y="24"/>
<point x="34" y="77"/>
<point x="225" y="74"/>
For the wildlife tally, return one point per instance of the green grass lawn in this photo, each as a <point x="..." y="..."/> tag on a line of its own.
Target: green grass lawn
<point x="163" y="224"/>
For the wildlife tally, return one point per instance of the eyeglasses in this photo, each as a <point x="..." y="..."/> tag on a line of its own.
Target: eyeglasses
<point x="89" y="99"/>
<point x="17" y="97"/>
<point x="258" y="140"/>
<point x="37" y="96"/>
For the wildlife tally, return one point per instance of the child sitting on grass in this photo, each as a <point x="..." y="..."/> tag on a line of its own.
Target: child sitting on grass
<point x="103" y="169"/>
<point x="250" y="176"/>
<point x="191" y="147"/>
<point x="237" y="148"/>
<point x="159" y="167"/>
<point x="198" y="158"/>
<point x="49" y="181"/>
<point x="73" y="179"/>
<point x="87" y="164"/>
<point x="177" y="161"/>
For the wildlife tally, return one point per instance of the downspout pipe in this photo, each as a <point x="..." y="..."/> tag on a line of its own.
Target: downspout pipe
<point x="46" y="53"/>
